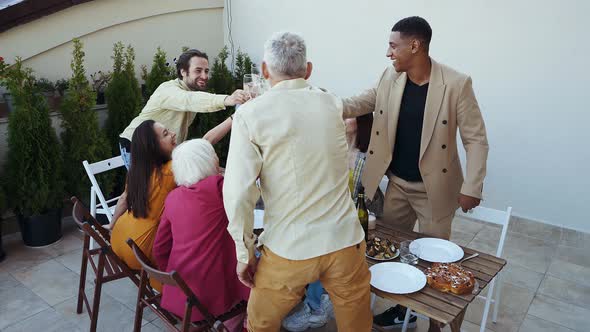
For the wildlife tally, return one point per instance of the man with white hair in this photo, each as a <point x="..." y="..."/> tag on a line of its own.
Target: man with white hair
<point x="293" y="139"/>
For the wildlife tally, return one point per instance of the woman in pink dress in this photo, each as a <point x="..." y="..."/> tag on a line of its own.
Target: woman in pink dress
<point x="192" y="237"/>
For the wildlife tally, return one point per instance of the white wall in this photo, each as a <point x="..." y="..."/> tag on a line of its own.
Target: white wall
<point x="528" y="63"/>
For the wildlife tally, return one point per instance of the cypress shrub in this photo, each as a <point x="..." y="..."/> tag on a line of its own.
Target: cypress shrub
<point x="82" y="138"/>
<point x="34" y="161"/>
<point x="159" y="73"/>
<point x="123" y="95"/>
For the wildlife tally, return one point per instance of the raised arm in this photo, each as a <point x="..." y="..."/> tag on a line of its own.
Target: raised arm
<point x="218" y="133"/>
<point x="360" y="104"/>
<point x="176" y="99"/>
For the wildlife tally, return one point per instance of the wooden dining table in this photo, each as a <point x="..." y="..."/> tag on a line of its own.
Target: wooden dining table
<point x="446" y="308"/>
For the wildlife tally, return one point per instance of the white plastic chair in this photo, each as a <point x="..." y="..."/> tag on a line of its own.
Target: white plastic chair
<point x="501" y="218"/>
<point x="491" y="216"/>
<point x="103" y="207"/>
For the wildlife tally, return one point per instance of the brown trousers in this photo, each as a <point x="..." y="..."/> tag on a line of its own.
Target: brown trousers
<point x="406" y="202"/>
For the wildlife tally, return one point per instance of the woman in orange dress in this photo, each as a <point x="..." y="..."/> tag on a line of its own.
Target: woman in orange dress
<point x="149" y="181"/>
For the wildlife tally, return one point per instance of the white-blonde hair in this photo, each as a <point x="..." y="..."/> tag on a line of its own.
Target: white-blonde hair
<point x="285" y="54"/>
<point x="192" y="161"/>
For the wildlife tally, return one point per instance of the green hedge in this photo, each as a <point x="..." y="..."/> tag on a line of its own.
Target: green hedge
<point x="82" y="138"/>
<point x="34" y="161"/>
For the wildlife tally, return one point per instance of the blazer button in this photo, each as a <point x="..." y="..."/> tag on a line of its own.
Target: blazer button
<point x="444" y="122"/>
<point x="371" y="152"/>
<point x="380" y="111"/>
<point x="444" y="170"/>
<point x="444" y="146"/>
<point x="377" y="133"/>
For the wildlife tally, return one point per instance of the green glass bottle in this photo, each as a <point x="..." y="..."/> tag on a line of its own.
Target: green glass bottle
<point x="363" y="213"/>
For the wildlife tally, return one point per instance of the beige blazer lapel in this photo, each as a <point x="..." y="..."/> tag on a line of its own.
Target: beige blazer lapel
<point x="395" y="100"/>
<point x="436" y="92"/>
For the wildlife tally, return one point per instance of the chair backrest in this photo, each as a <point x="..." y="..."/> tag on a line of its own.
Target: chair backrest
<point x="88" y="223"/>
<point x="97" y="168"/>
<point x="492" y="216"/>
<point x="172" y="279"/>
<point x="94" y="230"/>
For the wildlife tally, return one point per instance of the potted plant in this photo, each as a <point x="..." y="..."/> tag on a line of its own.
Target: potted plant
<point x="82" y="138"/>
<point x="100" y="81"/>
<point x="6" y="106"/>
<point x="33" y="167"/>
<point x="123" y="95"/>
<point x="159" y="73"/>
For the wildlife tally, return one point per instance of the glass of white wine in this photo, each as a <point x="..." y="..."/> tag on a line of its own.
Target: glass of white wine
<point x="251" y="85"/>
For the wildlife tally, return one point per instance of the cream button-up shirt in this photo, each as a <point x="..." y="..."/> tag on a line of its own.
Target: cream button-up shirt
<point x="292" y="138"/>
<point x="175" y="106"/>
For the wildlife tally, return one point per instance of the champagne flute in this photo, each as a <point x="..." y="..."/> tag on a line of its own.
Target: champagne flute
<point x="250" y="85"/>
<point x="263" y="85"/>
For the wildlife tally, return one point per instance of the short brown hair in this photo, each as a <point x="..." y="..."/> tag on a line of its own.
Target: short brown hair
<point x="185" y="58"/>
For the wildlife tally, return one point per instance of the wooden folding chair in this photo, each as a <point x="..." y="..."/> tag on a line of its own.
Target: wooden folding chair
<point x="146" y="299"/>
<point x="107" y="267"/>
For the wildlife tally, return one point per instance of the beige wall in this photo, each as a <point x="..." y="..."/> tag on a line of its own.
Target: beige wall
<point x="45" y="44"/>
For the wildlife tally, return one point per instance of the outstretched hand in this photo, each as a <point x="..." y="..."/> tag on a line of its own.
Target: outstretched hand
<point x="238" y="97"/>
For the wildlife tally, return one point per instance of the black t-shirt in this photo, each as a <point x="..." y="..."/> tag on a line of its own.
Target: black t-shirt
<point x="406" y="151"/>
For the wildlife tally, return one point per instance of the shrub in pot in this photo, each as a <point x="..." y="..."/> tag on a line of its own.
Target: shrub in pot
<point x="34" y="164"/>
<point x="123" y="95"/>
<point x="160" y="72"/>
<point x="82" y="138"/>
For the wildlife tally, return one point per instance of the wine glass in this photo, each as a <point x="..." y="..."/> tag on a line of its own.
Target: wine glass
<point x="251" y="85"/>
<point x="263" y="84"/>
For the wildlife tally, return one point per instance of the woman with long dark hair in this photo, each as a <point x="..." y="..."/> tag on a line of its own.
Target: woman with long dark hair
<point x="149" y="181"/>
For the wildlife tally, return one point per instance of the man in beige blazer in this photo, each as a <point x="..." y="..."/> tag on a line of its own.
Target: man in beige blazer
<point x="418" y="106"/>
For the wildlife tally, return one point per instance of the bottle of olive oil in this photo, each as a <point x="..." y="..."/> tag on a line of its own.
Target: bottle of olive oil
<point x="363" y="213"/>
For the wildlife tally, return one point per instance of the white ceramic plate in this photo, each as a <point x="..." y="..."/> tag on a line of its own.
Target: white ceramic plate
<point x="437" y="250"/>
<point x="395" y="255"/>
<point x="397" y="278"/>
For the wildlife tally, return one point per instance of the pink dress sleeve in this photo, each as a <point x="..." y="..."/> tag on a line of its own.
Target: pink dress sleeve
<point x="163" y="242"/>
